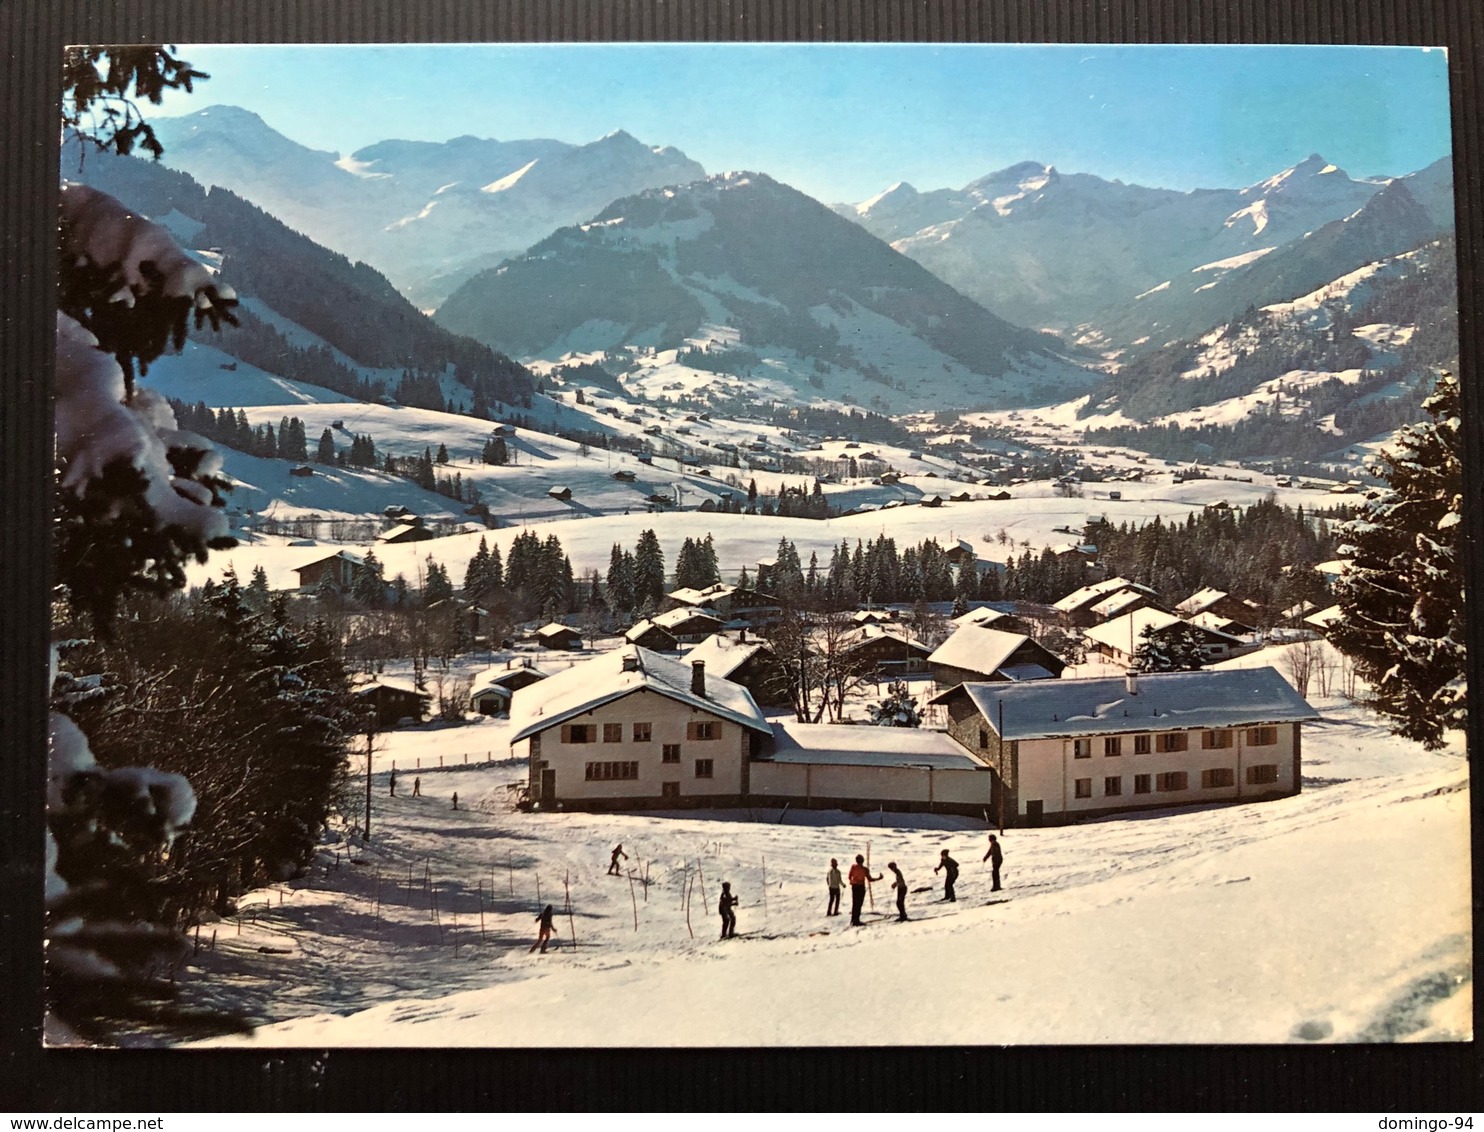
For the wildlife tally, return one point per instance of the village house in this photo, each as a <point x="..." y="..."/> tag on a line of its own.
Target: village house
<point x="493" y="689"/>
<point x="990" y="617"/>
<point x="1238" y="615"/>
<point x="888" y="651"/>
<point x="1118" y="640"/>
<point x="745" y="660"/>
<point x="392" y="700"/>
<point x="560" y="492"/>
<point x="340" y="568"/>
<point x="1065" y="750"/>
<point x="977" y="652"/>
<point x="1076" y="608"/>
<point x="1123" y="601"/>
<point x="631" y="729"/>
<point x="406" y="532"/>
<point x="555" y="635"/>
<point x="648" y="635"/>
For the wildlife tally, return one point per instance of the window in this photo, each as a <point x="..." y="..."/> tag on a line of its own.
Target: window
<point x="1112" y="786"/>
<point x="1172" y="741"/>
<point x="604" y="772"/>
<point x="1141" y="744"/>
<point x="669" y="789"/>
<point x="1112" y="746"/>
<point x="1262" y="774"/>
<point x="1171" y="780"/>
<point x="1215" y="740"/>
<point x="1082" y="748"/>
<point x="983" y="737"/>
<point x="1218" y="776"/>
<point x="703" y="730"/>
<point x="613" y="732"/>
<point x="641" y="732"/>
<point x="670" y="753"/>
<point x="1262" y="736"/>
<point x="703" y="768"/>
<point x="579" y="733"/>
<point x="1141" y="783"/>
<point x="1082" y="787"/>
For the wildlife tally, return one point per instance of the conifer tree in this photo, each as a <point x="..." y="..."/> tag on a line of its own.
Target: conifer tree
<point x="1402" y="593"/>
<point x="649" y="569"/>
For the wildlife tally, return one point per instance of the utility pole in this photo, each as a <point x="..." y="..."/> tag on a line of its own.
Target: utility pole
<point x="371" y="728"/>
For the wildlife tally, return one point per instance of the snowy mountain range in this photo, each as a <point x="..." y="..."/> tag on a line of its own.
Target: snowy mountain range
<point x="798" y="296"/>
<point x="1077" y="252"/>
<point x="426" y="214"/>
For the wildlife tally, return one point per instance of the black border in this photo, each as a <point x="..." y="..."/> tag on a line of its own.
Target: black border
<point x="1404" y="1079"/>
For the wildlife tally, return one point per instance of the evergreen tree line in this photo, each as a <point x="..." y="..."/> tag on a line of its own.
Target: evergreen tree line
<point x="871" y="573"/>
<point x="534" y="579"/>
<point x="229" y="428"/>
<point x="636" y="578"/>
<point x="1242" y="551"/>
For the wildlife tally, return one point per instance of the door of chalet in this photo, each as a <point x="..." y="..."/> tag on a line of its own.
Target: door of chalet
<point x="1033" y="812"/>
<point x="548" y="784"/>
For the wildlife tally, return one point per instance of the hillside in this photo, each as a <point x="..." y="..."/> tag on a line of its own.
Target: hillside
<point x="788" y="290"/>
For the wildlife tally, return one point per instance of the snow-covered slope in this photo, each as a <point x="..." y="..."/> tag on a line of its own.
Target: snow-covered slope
<point x="1338" y="915"/>
<point x="426" y="214"/>
<point x="812" y="303"/>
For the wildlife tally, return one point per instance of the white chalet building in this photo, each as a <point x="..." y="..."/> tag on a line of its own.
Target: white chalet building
<point x="1066" y="750"/>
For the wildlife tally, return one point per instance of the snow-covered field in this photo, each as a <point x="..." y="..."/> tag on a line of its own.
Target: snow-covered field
<point x="1339" y="915"/>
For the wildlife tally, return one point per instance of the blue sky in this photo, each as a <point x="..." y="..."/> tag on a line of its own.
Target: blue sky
<point x="842" y="122"/>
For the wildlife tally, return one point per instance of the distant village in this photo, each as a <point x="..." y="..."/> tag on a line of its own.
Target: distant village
<point x="728" y="696"/>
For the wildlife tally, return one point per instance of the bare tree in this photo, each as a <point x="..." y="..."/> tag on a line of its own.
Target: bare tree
<point x="1299" y="660"/>
<point x="842" y="667"/>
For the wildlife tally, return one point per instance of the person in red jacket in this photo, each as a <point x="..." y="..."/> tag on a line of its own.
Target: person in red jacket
<point x="859" y="877"/>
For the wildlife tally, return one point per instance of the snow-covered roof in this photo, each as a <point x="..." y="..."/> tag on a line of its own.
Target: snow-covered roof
<point x="402" y="530"/>
<point x="1213" y="621"/>
<point x="640" y="628"/>
<point x="1302" y="609"/>
<point x="723" y="655"/>
<point x="680" y="615"/>
<point x="1127" y="632"/>
<point x="353" y="559"/>
<point x="392" y="683"/>
<point x="1116" y="603"/>
<point x="977" y="648"/>
<point x="605" y="678"/>
<point x="981" y="616"/>
<point x="871" y="631"/>
<point x="1085" y="596"/>
<point x="1333" y="568"/>
<point x="1026" y="672"/>
<point x="1166" y="701"/>
<point x="1325" y="617"/>
<point x="689" y="595"/>
<point x="863" y="745"/>
<point x="499" y="677"/>
<point x="1200" y="601"/>
<point x="554" y="629"/>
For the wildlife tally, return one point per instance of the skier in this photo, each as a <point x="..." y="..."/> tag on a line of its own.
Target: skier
<point x="725" y="906"/>
<point x="394" y="782"/>
<point x="900" y="885"/>
<point x="859" y="876"/>
<point x="951" y="865"/>
<point x="618" y="852"/>
<point x="455" y="799"/>
<point x="994" y="856"/>
<point x="417" y="787"/>
<point x="546" y="930"/>
<point x="835" y="884"/>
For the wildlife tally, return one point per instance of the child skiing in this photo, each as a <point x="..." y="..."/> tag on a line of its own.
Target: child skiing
<point x="618" y="852"/>
<point x="947" y="862"/>
<point x="834" y="884"/>
<point x="994" y="856"/>
<point x="725" y="906"/>
<point x="546" y="929"/>
<point x="900" y="886"/>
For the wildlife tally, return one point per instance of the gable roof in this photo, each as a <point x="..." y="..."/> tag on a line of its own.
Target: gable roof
<point x="723" y="655"/>
<point x="1081" y="598"/>
<point x="835" y="744"/>
<point x="1200" y="601"/>
<point x="554" y="629"/>
<point x="1165" y="701"/>
<point x="1127" y="632"/>
<point x="353" y="559"/>
<point x="603" y="679"/>
<point x="871" y="631"/>
<point x="984" y="615"/>
<point x="977" y="648"/>
<point x="641" y="629"/>
<point x="1115" y="603"/>
<point x="684" y="613"/>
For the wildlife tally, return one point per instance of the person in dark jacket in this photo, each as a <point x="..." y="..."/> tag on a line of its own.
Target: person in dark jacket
<point x="546" y="929"/>
<point x="948" y="863"/>
<point x="725" y="906"/>
<point x="393" y="781"/>
<point x="899" y="885"/>
<point x="860" y="876"/>
<point x="994" y="856"/>
<point x="618" y="852"/>
<point x="834" y="883"/>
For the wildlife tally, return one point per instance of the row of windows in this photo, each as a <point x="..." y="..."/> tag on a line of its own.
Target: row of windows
<point x="1167" y="742"/>
<point x="1173" y="780"/>
<point x="608" y="771"/>
<point x="642" y="732"/>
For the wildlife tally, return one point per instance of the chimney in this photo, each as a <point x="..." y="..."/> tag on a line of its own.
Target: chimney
<point x="1131" y="682"/>
<point x="698" y="678"/>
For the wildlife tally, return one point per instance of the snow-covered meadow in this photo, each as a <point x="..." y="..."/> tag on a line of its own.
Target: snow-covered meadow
<point x="1339" y="915"/>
